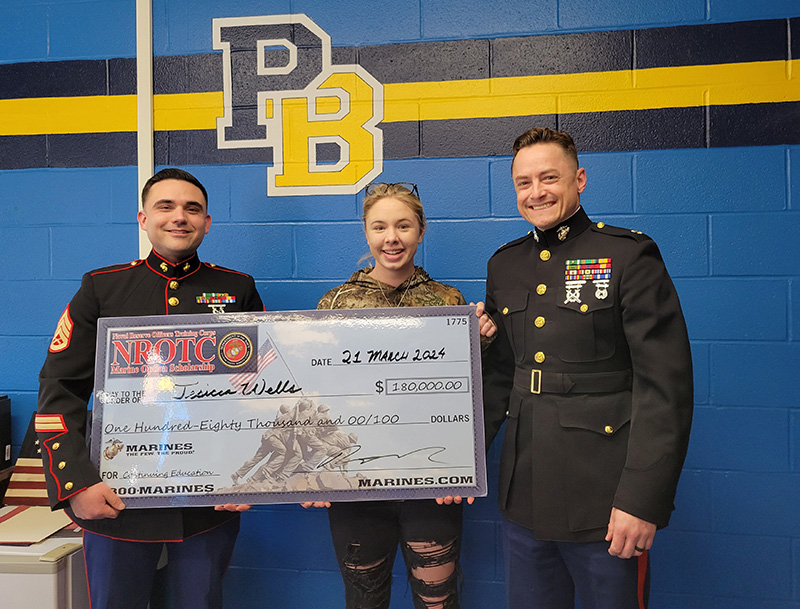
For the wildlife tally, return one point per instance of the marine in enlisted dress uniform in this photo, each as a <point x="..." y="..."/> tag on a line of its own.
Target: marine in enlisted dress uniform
<point x="591" y="368"/>
<point x="171" y="280"/>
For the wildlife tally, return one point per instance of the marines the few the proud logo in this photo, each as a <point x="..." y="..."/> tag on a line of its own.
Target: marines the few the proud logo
<point x="113" y="449"/>
<point x="578" y="272"/>
<point x="282" y="91"/>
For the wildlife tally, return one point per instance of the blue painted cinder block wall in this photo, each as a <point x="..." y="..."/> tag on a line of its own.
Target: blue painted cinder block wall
<point x="724" y="214"/>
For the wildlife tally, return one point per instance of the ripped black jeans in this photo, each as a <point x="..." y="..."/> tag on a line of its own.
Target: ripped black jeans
<point x="366" y="535"/>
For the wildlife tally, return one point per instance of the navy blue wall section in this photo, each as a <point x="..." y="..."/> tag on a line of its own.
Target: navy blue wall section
<point x="722" y="124"/>
<point x="716" y="187"/>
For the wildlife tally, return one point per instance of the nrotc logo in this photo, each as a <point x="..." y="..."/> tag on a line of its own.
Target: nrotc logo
<point x="282" y="91"/>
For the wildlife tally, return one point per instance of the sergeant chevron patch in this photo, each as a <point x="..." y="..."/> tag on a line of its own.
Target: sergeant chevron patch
<point x="63" y="333"/>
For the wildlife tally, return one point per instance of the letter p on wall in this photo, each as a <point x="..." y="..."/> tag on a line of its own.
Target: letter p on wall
<point x="281" y="91"/>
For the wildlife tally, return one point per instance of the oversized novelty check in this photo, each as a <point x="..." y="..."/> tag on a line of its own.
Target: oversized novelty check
<point x="290" y="406"/>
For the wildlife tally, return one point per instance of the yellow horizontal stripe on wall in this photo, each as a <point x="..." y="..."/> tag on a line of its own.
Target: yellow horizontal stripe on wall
<point x="96" y="114"/>
<point x="107" y="113"/>
<point x="678" y="87"/>
<point x="185" y="111"/>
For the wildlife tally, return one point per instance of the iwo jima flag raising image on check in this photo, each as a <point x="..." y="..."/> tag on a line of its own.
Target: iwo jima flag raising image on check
<point x="290" y="406"/>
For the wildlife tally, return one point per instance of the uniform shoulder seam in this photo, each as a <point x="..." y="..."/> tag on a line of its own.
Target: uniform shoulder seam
<point x="618" y="231"/>
<point x="514" y="242"/>
<point x="114" y="268"/>
<point x="216" y="267"/>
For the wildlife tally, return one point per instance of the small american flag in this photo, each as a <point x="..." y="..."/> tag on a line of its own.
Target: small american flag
<point x="266" y="355"/>
<point x="27" y="485"/>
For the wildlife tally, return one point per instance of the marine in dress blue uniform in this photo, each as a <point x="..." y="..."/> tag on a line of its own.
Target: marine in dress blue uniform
<point x="120" y="566"/>
<point x="591" y="371"/>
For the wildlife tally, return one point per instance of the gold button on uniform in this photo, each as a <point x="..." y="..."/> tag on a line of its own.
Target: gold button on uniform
<point x="584" y="308"/>
<point x="601" y="225"/>
<point x="545" y="255"/>
<point x="173" y="302"/>
<point x="56" y="445"/>
<point x="62" y="465"/>
<point x="539" y="321"/>
<point x="541" y="289"/>
<point x="68" y="486"/>
<point x="505" y="310"/>
<point x="539" y="357"/>
<point x="173" y="285"/>
<point x="609" y="430"/>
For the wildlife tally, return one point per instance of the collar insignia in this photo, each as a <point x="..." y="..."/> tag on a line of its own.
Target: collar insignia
<point x="562" y="233"/>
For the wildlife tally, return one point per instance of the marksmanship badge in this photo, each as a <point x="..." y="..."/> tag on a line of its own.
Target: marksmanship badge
<point x="578" y="272"/>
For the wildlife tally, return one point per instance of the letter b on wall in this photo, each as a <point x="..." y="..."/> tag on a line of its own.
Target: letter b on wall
<point x="281" y="91"/>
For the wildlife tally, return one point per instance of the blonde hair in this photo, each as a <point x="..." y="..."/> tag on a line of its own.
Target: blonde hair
<point x="401" y="192"/>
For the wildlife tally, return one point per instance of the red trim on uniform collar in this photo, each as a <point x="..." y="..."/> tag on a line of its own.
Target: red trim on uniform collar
<point x="170" y="270"/>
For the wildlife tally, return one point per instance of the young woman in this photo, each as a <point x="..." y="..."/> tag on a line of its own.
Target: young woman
<point x="366" y="534"/>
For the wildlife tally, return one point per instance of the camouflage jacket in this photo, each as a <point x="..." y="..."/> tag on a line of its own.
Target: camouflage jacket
<point x="361" y="291"/>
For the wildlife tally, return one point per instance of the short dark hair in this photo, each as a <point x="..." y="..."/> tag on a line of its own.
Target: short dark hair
<point x="545" y="135"/>
<point x="173" y="173"/>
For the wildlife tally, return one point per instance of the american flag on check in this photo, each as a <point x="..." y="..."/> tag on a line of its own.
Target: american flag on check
<point x="266" y="355"/>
